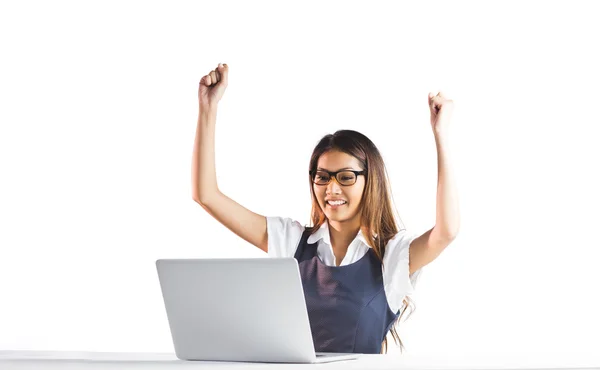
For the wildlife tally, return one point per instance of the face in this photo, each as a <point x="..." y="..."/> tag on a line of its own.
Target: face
<point x="334" y="161"/>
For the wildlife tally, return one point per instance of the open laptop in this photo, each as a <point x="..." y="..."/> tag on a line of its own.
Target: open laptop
<point x="244" y="309"/>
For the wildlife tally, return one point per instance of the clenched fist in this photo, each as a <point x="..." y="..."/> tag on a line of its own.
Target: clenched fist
<point x="441" y="109"/>
<point x="212" y="86"/>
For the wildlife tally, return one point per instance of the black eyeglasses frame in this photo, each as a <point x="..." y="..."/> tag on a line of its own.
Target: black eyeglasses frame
<point x="333" y="175"/>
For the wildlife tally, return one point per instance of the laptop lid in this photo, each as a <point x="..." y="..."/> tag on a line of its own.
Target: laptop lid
<point x="243" y="309"/>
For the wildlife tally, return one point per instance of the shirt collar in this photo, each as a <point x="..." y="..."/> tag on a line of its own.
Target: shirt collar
<point x="323" y="233"/>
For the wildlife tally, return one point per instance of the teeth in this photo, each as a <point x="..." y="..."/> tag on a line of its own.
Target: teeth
<point x="336" y="203"/>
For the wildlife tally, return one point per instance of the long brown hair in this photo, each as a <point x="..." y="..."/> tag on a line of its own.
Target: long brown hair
<point x="378" y="221"/>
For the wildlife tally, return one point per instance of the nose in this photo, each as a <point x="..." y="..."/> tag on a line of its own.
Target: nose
<point x="334" y="187"/>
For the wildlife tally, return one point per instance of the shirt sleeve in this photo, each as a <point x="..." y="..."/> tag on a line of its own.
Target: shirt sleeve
<point x="396" y="270"/>
<point x="283" y="236"/>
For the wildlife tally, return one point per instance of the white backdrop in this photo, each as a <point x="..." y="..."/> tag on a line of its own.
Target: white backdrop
<point x="98" y="117"/>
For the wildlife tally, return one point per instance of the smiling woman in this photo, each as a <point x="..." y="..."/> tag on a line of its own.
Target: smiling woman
<point x="354" y="261"/>
<point x="347" y="169"/>
<point x="340" y="191"/>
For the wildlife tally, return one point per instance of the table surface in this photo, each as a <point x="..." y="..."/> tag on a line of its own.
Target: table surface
<point x="138" y="360"/>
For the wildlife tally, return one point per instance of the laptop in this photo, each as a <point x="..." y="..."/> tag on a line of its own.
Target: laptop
<point x="243" y="309"/>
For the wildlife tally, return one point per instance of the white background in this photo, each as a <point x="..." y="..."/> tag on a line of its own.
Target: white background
<point x="98" y="109"/>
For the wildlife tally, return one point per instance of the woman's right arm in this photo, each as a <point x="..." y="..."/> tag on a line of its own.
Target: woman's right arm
<point x="248" y="225"/>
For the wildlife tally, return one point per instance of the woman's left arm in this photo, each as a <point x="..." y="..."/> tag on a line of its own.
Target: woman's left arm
<point x="428" y="246"/>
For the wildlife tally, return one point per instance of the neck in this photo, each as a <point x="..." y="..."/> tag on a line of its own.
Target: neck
<point x="342" y="233"/>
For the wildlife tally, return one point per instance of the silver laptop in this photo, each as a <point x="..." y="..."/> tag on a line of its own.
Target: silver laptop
<point x="244" y="309"/>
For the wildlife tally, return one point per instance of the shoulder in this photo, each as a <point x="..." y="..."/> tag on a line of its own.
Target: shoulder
<point x="283" y="225"/>
<point x="398" y="247"/>
<point x="396" y="277"/>
<point x="284" y="234"/>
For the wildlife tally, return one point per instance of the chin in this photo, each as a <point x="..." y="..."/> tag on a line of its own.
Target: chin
<point x="337" y="218"/>
<point x="344" y="217"/>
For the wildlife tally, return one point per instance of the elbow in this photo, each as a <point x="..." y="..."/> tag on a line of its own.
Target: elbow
<point x="450" y="236"/>
<point x="202" y="197"/>
<point x="201" y="203"/>
<point x="447" y="235"/>
<point x="195" y="196"/>
<point x="198" y="200"/>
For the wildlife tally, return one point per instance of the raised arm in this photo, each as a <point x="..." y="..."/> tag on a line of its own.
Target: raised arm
<point x="248" y="225"/>
<point x="427" y="247"/>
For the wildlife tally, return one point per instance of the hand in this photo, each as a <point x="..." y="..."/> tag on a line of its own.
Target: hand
<point x="441" y="110"/>
<point x="212" y="86"/>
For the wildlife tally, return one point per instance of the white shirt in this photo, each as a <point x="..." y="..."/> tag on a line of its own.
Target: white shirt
<point x="284" y="236"/>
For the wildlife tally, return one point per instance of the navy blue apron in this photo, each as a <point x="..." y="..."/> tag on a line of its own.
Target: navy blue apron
<point x="347" y="307"/>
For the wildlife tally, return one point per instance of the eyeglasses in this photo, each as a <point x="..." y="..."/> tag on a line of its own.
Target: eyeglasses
<point x="343" y="177"/>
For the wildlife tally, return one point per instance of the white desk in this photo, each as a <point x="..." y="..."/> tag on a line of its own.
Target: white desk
<point x="120" y="360"/>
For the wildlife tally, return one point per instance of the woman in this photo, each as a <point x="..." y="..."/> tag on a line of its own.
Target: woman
<point x="357" y="268"/>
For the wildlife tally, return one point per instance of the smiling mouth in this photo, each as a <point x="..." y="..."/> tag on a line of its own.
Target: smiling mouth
<point x="336" y="204"/>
